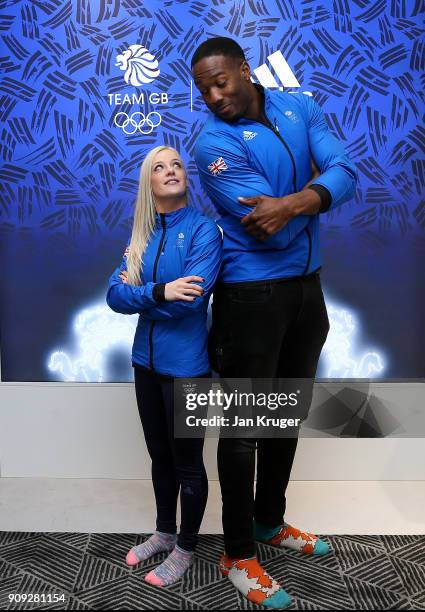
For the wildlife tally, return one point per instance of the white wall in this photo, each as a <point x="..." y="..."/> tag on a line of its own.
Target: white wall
<point x="89" y="430"/>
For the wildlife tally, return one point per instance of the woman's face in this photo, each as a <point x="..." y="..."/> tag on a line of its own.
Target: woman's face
<point x="168" y="178"/>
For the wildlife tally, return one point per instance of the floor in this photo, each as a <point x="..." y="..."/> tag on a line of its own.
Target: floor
<point x="88" y="572"/>
<point x="127" y="506"/>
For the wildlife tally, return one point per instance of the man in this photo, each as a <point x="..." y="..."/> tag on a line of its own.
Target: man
<point x="269" y="317"/>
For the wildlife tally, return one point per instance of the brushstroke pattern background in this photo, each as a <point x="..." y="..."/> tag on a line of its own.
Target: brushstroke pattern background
<point x="69" y="174"/>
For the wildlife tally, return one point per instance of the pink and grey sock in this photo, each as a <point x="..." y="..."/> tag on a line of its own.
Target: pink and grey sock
<point x="158" y="542"/>
<point x="172" y="569"/>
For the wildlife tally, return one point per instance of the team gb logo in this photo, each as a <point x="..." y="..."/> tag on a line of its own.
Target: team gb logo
<point x="139" y="64"/>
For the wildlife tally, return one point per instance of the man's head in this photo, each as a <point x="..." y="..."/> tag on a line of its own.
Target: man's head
<point x="222" y="75"/>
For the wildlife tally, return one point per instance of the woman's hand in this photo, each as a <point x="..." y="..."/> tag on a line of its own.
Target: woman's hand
<point x="124" y="277"/>
<point x="180" y="289"/>
<point x="183" y="289"/>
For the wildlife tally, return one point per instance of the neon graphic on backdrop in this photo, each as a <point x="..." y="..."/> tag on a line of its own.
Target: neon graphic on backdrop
<point x="99" y="331"/>
<point x="341" y="356"/>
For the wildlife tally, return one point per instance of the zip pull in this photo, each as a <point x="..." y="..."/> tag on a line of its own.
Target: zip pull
<point x="276" y="127"/>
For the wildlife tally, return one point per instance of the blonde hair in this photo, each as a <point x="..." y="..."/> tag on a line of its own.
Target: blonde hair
<point x="144" y="221"/>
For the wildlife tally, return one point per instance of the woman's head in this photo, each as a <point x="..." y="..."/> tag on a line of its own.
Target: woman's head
<point x="162" y="188"/>
<point x="168" y="178"/>
<point x="162" y="182"/>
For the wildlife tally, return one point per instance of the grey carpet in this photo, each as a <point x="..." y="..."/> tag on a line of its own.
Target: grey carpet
<point x="361" y="573"/>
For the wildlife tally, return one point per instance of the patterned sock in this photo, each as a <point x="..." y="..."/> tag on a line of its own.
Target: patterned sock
<point x="254" y="582"/>
<point x="158" y="542"/>
<point x="172" y="569"/>
<point x="287" y="536"/>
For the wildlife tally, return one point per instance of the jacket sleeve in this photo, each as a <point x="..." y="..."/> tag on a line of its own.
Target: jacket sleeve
<point x="204" y="260"/>
<point x="238" y="179"/>
<point x="338" y="173"/>
<point x="128" y="299"/>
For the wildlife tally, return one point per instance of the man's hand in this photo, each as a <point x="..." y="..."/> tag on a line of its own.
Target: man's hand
<point x="268" y="217"/>
<point x="272" y="214"/>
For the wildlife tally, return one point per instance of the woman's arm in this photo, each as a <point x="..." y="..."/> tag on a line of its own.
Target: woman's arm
<point x="128" y="299"/>
<point x="204" y="260"/>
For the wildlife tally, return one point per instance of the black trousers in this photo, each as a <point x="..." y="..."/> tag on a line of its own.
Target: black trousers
<point x="177" y="463"/>
<point x="262" y="329"/>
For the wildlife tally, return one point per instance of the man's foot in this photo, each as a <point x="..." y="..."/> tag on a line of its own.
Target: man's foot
<point x="172" y="569"/>
<point x="158" y="542"/>
<point x="254" y="582"/>
<point x="290" y="537"/>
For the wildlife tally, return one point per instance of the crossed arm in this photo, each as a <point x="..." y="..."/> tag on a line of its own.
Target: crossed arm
<point x="178" y="298"/>
<point x="277" y="220"/>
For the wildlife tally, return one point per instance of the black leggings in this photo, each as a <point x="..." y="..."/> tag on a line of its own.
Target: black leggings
<point x="263" y="329"/>
<point x="177" y="463"/>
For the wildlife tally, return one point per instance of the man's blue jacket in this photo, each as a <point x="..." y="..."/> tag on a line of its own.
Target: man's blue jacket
<point x="247" y="158"/>
<point x="171" y="337"/>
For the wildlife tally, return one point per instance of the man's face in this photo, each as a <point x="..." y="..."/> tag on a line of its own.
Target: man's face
<point x="224" y="85"/>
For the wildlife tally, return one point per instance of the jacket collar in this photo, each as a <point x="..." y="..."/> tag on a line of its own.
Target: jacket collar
<point x="171" y="218"/>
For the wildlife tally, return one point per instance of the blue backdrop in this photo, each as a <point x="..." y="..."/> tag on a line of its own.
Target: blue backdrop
<point x="89" y="87"/>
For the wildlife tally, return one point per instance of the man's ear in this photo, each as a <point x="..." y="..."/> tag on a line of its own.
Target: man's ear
<point x="245" y="71"/>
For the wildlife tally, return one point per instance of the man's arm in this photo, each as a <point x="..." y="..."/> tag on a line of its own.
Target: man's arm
<point x="335" y="184"/>
<point x="230" y="181"/>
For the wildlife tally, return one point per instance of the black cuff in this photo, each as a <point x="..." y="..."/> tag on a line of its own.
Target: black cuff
<point x="159" y="292"/>
<point x="325" y="197"/>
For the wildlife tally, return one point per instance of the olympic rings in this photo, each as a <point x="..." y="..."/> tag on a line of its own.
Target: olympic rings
<point x="148" y="120"/>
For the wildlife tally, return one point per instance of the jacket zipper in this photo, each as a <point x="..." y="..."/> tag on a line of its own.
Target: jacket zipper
<point x="275" y="131"/>
<point x="155" y="267"/>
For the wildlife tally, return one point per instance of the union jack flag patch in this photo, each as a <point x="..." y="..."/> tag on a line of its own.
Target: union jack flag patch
<point x="217" y="166"/>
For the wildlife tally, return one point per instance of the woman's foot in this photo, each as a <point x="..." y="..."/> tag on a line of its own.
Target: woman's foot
<point x="172" y="569"/>
<point x="254" y="582"/>
<point x="158" y="542"/>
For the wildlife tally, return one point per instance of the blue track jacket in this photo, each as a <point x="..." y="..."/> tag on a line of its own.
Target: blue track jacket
<point x="247" y="158"/>
<point x="171" y="337"/>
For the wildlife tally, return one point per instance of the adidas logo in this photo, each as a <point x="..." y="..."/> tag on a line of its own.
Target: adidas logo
<point x="249" y="135"/>
<point x="281" y="67"/>
<point x="282" y="70"/>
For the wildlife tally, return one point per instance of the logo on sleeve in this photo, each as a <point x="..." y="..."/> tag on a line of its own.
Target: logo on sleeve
<point x="249" y="135"/>
<point x="217" y="166"/>
<point x="292" y="116"/>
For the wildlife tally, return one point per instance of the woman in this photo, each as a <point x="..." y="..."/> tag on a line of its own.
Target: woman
<point x="167" y="274"/>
